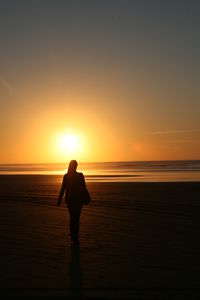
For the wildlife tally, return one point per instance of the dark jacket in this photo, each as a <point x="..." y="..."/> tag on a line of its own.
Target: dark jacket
<point x="73" y="185"/>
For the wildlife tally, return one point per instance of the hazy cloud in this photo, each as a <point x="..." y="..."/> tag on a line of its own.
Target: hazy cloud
<point x="173" y="131"/>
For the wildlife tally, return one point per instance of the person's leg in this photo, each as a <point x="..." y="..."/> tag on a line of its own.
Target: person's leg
<point x="74" y="222"/>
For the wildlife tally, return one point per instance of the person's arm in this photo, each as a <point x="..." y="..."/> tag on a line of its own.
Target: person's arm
<point x="62" y="190"/>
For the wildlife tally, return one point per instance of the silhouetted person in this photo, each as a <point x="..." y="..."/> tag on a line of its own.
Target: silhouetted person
<point x="74" y="186"/>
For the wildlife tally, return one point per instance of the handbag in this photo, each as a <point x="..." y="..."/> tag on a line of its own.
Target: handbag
<point x="85" y="196"/>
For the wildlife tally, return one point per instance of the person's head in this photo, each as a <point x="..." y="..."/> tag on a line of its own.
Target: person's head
<point x="72" y="166"/>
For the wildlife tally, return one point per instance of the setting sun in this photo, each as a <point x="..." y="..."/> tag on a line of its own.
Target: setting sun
<point x="69" y="143"/>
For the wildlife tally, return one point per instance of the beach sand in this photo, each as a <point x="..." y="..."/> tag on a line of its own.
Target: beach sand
<point x="138" y="240"/>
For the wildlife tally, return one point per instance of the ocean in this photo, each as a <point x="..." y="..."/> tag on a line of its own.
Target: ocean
<point x="127" y="171"/>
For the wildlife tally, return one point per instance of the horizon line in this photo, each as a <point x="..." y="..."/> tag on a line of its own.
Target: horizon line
<point x="96" y="162"/>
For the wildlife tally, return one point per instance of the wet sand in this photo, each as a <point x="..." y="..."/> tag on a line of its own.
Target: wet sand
<point x="138" y="240"/>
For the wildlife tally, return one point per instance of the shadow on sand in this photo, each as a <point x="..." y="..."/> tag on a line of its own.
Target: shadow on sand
<point x="75" y="272"/>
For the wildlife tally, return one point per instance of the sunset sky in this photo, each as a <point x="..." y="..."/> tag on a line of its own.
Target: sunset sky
<point x="121" y="77"/>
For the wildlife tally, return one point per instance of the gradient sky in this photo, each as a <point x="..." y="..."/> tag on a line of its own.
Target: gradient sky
<point x="124" y="75"/>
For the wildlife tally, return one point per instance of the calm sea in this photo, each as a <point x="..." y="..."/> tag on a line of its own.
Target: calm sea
<point x="151" y="171"/>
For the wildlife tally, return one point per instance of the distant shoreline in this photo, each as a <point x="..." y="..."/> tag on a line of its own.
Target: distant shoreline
<point x="98" y="179"/>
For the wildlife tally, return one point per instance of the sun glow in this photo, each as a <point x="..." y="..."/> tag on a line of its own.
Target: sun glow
<point x="69" y="143"/>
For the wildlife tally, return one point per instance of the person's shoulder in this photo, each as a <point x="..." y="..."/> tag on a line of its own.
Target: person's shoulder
<point x="65" y="176"/>
<point x="80" y="174"/>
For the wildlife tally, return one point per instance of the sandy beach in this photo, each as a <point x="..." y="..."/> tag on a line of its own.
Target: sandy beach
<point x="136" y="240"/>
